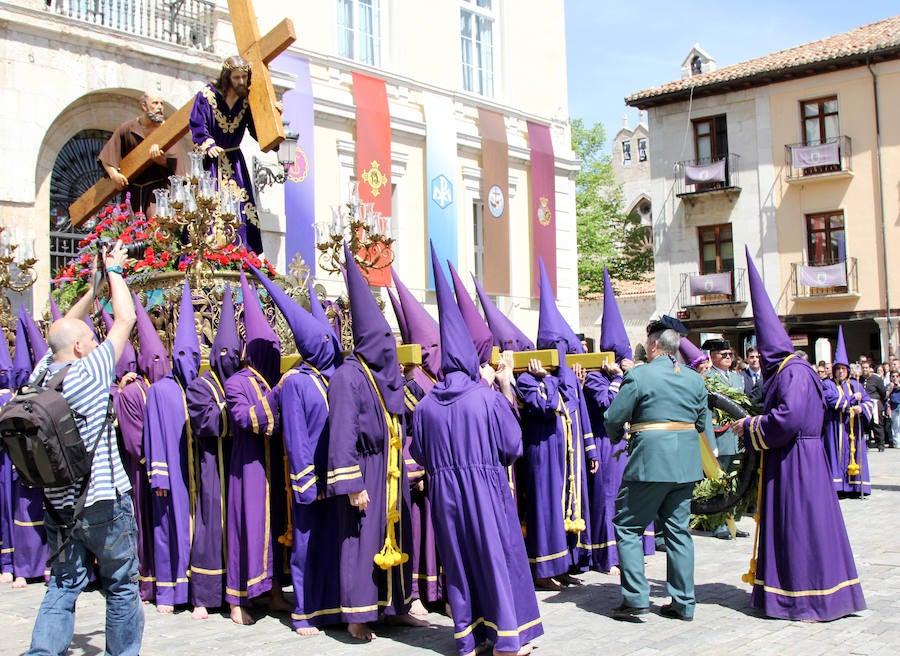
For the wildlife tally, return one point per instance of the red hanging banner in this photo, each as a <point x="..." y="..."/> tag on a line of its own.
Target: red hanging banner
<point x="373" y="162"/>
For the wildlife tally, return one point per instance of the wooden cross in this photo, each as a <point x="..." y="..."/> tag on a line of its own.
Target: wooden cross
<point x="258" y="52"/>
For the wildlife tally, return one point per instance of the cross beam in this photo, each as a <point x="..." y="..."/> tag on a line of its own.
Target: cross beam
<point x="269" y="129"/>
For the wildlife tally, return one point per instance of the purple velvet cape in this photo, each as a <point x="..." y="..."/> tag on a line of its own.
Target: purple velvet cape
<point x="357" y="460"/>
<point x="805" y="568"/>
<point x="209" y="426"/>
<point x="599" y="392"/>
<point x="256" y="510"/>
<point x="214" y="123"/>
<point x="838" y="401"/>
<point x="465" y="434"/>
<point x="543" y="475"/>
<point x="167" y="442"/>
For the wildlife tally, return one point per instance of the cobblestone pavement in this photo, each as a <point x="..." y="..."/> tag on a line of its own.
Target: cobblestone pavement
<point x="576" y="620"/>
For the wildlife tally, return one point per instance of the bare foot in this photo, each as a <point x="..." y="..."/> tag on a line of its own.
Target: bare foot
<point x="360" y="632"/>
<point x="163" y="608"/>
<point x="6" y="577"/>
<point x="20" y="583"/>
<point x="199" y="613"/>
<point x="417" y="608"/>
<point x="568" y="579"/>
<point x="307" y="631"/>
<point x="240" y="615"/>
<point x="405" y="620"/>
<point x="524" y="651"/>
<point x="547" y="584"/>
<point x="277" y="602"/>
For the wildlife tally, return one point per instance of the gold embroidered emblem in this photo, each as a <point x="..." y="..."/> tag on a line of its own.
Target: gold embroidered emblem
<point x="224" y="124"/>
<point x="374" y="178"/>
<point x="543" y="211"/>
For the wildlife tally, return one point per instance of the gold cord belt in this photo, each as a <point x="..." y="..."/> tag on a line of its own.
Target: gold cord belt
<point x="661" y="425"/>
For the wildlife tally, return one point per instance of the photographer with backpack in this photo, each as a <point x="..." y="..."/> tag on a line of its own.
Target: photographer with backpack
<point x="105" y="527"/>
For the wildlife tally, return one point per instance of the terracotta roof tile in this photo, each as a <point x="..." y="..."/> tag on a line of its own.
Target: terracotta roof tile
<point x="876" y="38"/>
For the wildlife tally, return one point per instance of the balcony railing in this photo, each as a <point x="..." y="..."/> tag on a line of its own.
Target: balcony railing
<point x="704" y="176"/>
<point x="823" y="279"/>
<point x="726" y="288"/>
<point x="818" y="159"/>
<point x="189" y="23"/>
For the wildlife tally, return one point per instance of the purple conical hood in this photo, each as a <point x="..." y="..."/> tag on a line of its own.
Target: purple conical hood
<point x="398" y="313"/>
<point x="316" y="309"/>
<point x="128" y="360"/>
<point x="6" y="364"/>
<point x="315" y="342"/>
<point x="21" y="363"/>
<point x="840" y="351"/>
<point x="225" y="352"/>
<point x="373" y="341"/>
<point x="771" y="337"/>
<point x="262" y="349"/>
<point x="479" y="331"/>
<point x="457" y="350"/>
<point x="613" y="336"/>
<point x="691" y="354"/>
<point x="506" y="334"/>
<point x="54" y="310"/>
<point x="186" y="348"/>
<point x="36" y="342"/>
<point x="152" y="359"/>
<point x="553" y="330"/>
<point x="422" y="327"/>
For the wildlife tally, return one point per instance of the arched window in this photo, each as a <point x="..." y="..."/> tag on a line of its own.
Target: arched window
<point x="75" y="171"/>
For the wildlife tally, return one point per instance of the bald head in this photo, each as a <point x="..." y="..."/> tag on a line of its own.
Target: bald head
<point x="70" y="339"/>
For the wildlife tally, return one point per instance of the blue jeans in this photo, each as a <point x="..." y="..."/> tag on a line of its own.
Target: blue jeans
<point x="109" y="533"/>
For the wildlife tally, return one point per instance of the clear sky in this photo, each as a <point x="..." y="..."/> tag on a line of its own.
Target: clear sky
<point x="615" y="47"/>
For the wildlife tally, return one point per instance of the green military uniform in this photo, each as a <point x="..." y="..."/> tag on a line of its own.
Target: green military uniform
<point x="666" y="405"/>
<point x="727" y="441"/>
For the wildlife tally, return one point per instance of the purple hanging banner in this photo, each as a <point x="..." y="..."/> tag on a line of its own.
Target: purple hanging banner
<point x="299" y="186"/>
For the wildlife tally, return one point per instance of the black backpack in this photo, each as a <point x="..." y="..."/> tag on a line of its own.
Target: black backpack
<point x="39" y="431"/>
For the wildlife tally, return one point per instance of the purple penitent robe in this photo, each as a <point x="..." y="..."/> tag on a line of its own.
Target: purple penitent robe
<point x="7" y="545"/>
<point x="256" y="496"/>
<point x="214" y="123"/>
<point x="29" y="537"/>
<point x="357" y="460"/>
<point x="209" y="427"/>
<point x="557" y="443"/>
<point x="845" y="435"/>
<point x="427" y="582"/>
<point x="315" y="554"/>
<point x="599" y="392"/>
<point x="465" y="434"/>
<point x="805" y="568"/>
<point x="129" y="404"/>
<point x="168" y="452"/>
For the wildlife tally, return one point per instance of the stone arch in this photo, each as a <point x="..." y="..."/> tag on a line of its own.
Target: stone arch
<point x="642" y="207"/>
<point x="103" y="109"/>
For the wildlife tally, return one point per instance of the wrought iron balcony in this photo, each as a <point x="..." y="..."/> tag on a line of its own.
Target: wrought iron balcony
<point x="823" y="279"/>
<point x="818" y="160"/>
<point x="725" y="288"/>
<point x="190" y="23"/>
<point x="704" y="176"/>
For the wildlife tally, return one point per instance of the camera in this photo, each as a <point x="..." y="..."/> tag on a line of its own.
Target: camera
<point x="135" y="250"/>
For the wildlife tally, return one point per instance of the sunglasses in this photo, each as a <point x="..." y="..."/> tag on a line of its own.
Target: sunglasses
<point x="726" y="354"/>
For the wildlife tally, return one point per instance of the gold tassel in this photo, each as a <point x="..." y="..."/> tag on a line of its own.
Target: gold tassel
<point x="287" y="538"/>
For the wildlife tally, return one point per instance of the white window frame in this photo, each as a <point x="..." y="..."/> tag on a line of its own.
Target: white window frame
<point x="480" y="76"/>
<point x="359" y="37"/>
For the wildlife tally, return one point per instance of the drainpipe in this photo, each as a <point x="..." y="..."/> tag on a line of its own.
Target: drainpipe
<point x="884" y="256"/>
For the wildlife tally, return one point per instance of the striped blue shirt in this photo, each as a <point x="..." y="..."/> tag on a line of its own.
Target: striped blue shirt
<point x="86" y="388"/>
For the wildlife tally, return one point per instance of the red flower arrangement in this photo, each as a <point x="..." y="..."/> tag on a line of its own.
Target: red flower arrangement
<point x="159" y="255"/>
